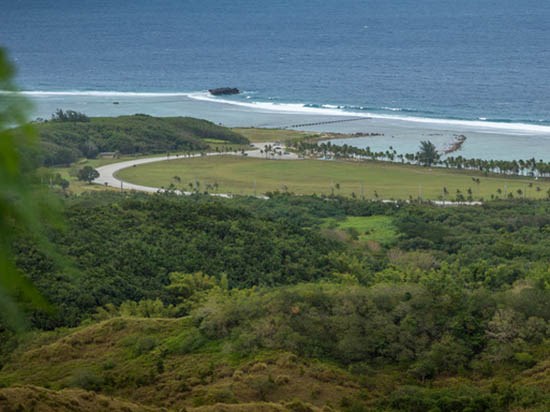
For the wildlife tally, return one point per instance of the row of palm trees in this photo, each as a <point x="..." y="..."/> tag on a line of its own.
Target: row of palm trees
<point x="194" y="186"/>
<point x="425" y="156"/>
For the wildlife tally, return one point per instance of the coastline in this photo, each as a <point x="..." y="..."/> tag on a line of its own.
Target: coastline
<point x="486" y="140"/>
<point x="296" y="109"/>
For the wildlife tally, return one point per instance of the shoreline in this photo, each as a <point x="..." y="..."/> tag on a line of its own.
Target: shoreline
<point x="337" y="111"/>
<point x="476" y="123"/>
<point x="503" y="143"/>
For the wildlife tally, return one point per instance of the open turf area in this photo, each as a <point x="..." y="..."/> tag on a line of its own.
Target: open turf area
<point x="247" y="176"/>
<point x="377" y="228"/>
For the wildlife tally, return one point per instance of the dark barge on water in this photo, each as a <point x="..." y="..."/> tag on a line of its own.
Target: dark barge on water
<point x="224" y="91"/>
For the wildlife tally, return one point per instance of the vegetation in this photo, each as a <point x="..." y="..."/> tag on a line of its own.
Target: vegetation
<point x="88" y="174"/>
<point x="427" y="156"/>
<point x="446" y="310"/>
<point x="296" y="303"/>
<point x="163" y="301"/>
<point x="380" y="229"/>
<point x="69" y="116"/>
<point x="127" y="247"/>
<point x="70" y="136"/>
<point x="20" y="205"/>
<point x="371" y="180"/>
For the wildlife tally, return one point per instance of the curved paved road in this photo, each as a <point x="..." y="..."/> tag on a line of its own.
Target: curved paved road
<point x="107" y="172"/>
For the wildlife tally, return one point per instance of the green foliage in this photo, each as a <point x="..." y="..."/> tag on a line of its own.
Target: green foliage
<point x="465" y="398"/>
<point x="435" y="331"/>
<point x="73" y="136"/>
<point x="183" y="285"/>
<point x="435" y="320"/>
<point x="428" y="153"/>
<point x="20" y="204"/>
<point x="376" y="228"/>
<point x="69" y="116"/>
<point x="188" y="341"/>
<point x="86" y="379"/>
<point x="144" y="345"/>
<point x="87" y="174"/>
<point x="125" y="248"/>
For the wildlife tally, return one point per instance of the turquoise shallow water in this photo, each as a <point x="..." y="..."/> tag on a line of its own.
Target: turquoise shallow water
<point x="487" y="140"/>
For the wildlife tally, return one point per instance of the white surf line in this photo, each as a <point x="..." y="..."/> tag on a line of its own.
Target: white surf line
<point x="107" y="174"/>
<point x="482" y="126"/>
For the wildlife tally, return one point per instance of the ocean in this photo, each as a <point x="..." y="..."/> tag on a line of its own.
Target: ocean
<point x="412" y="70"/>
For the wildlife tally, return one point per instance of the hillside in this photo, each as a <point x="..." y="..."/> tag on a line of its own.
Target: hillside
<point x="168" y="363"/>
<point x="151" y="361"/>
<point x="38" y="399"/>
<point x="293" y="303"/>
<point x="64" y="142"/>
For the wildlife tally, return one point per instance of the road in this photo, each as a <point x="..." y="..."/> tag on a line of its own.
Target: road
<point x="107" y="172"/>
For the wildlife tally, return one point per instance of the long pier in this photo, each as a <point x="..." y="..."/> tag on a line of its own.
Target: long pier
<point x="295" y="126"/>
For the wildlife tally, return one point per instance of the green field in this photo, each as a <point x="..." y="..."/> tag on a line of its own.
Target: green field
<point x="247" y="176"/>
<point x="376" y="228"/>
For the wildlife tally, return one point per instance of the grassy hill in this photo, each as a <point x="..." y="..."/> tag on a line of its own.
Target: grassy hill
<point x="64" y="142"/>
<point x="38" y="399"/>
<point x="295" y="303"/>
<point x="135" y="363"/>
<point x="151" y="361"/>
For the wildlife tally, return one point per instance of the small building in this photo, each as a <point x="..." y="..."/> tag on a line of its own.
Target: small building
<point x="108" y="155"/>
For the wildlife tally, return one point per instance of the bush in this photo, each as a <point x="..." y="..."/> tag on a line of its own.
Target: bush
<point x="69" y="116"/>
<point x="144" y="345"/>
<point x="525" y="359"/>
<point x="87" y="379"/>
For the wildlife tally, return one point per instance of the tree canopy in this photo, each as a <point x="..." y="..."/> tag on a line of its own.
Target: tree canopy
<point x="428" y="154"/>
<point x="88" y="174"/>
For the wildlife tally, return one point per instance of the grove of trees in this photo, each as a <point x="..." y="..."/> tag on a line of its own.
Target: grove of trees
<point x="70" y="136"/>
<point x="460" y="292"/>
<point x="425" y="156"/>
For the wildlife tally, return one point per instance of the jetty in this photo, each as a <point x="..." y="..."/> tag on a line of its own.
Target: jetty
<point x="295" y="126"/>
<point x="455" y="145"/>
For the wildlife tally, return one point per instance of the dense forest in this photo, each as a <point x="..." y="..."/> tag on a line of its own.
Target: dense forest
<point x="70" y="136"/>
<point x="232" y="301"/>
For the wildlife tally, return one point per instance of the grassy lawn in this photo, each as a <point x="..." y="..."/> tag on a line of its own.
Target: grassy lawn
<point x="377" y="228"/>
<point x="271" y="135"/>
<point x="238" y="175"/>
<point x="77" y="187"/>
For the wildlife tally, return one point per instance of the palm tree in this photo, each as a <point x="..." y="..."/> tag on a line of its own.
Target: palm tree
<point x="428" y="153"/>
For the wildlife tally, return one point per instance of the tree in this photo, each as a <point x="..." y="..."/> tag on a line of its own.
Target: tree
<point x="59" y="181"/>
<point x="21" y="204"/>
<point x="69" y="116"/>
<point x="428" y="153"/>
<point x="88" y="174"/>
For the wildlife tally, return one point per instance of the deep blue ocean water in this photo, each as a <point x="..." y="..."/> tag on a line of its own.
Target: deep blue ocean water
<point x="468" y="59"/>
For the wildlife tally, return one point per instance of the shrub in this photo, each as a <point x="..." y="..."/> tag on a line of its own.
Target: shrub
<point x="87" y="380"/>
